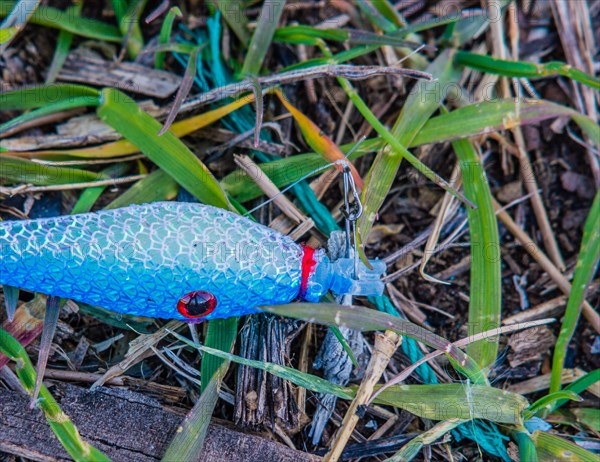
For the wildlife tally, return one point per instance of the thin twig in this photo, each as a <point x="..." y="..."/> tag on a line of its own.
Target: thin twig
<point x="328" y="70"/>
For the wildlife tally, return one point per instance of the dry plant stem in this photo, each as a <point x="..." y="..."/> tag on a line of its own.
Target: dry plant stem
<point x="385" y="346"/>
<point x="327" y="70"/>
<point x="303" y="363"/>
<point x="284" y="437"/>
<point x="309" y="84"/>
<point x="66" y="187"/>
<point x="528" y="177"/>
<point x="384" y="428"/>
<point x="322" y="183"/>
<point x="539" y="210"/>
<point x="561" y="281"/>
<point x="269" y="188"/>
<point x="574" y="26"/>
<point x="438" y="224"/>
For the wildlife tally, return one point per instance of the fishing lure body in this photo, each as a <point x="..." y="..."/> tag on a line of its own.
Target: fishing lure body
<point x="172" y="260"/>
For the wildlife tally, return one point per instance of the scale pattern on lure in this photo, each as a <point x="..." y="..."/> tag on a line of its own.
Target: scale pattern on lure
<point x="172" y="260"/>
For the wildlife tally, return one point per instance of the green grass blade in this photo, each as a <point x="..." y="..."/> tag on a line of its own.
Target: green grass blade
<point x="374" y="15"/>
<point x="302" y="379"/>
<point x="411" y="449"/>
<point x="89" y="196"/>
<point x="340" y="337"/>
<point x="527" y="450"/>
<point x="380" y="186"/>
<point x="220" y="336"/>
<point x="41" y="95"/>
<point x="58" y="421"/>
<point x="552" y="448"/>
<point x="7" y="34"/>
<point x="313" y="35"/>
<point x="364" y="319"/>
<point x="63" y="45"/>
<point x="485" y="296"/>
<point x="232" y="11"/>
<point x="579" y="386"/>
<point x="587" y="263"/>
<point x="167" y="151"/>
<point x="51" y="108"/>
<point x="503" y="114"/>
<point x="262" y="37"/>
<point x="528" y="70"/>
<point x="420" y="105"/>
<point x="188" y="441"/>
<point x="64" y="20"/>
<point x="25" y="171"/>
<point x="388" y="11"/>
<point x="128" y="19"/>
<point x="588" y="416"/>
<point x="437" y="402"/>
<point x="308" y="35"/>
<point x="165" y="35"/>
<point x="548" y="402"/>
<point x="459" y="401"/>
<point x="158" y="186"/>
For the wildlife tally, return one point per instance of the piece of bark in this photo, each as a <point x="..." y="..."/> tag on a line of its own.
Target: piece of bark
<point x="263" y="399"/>
<point x="86" y="67"/>
<point x="125" y="426"/>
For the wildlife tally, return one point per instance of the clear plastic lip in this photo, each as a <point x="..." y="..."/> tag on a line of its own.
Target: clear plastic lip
<point x="338" y="276"/>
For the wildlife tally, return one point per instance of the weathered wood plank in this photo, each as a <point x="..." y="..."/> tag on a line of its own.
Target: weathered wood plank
<point x="125" y="426"/>
<point x="85" y="67"/>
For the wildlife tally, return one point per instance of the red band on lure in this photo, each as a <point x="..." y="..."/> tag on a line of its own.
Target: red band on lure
<point x="308" y="267"/>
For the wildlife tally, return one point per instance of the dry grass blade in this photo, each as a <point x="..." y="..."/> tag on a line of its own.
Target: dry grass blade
<point x="186" y="85"/>
<point x="138" y="350"/>
<point x="267" y="186"/>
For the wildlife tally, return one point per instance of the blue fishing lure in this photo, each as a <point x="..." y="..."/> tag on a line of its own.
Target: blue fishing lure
<point x="172" y="260"/>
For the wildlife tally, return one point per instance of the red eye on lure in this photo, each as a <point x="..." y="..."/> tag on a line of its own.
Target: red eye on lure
<point x="197" y="304"/>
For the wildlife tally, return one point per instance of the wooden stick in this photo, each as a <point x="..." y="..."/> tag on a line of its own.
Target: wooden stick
<point x="385" y="346"/>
